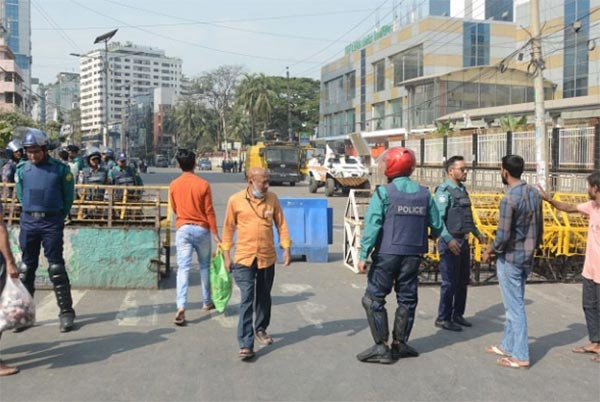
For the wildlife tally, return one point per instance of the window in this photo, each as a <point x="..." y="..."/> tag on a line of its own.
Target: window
<point x="379" y="76"/>
<point x="576" y="57"/>
<point x="476" y="44"/>
<point x="396" y="113"/>
<point x="350" y="85"/>
<point x="378" y="116"/>
<point x="407" y="64"/>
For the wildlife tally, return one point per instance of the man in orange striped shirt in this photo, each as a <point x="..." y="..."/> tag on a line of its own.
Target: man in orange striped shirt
<point x="251" y="213"/>
<point x="191" y="201"/>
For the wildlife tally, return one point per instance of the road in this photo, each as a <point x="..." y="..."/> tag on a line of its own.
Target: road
<point x="126" y="348"/>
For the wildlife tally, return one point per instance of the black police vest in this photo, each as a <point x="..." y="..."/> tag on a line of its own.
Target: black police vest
<point x="100" y="176"/>
<point x="42" y="187"/>
<point x="124" y="178"/>
<point x="406" y="222"/>
<point x="459" y="219"/>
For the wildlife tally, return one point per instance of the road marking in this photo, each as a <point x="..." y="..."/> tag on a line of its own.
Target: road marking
<point x="132" y="314"/>
<point x="294" y="288"/>
<point x="308" y="310"/>
<point x="46" y="311"/>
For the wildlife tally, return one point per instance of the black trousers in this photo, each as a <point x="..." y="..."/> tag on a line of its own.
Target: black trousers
<point x="591" y="308"/>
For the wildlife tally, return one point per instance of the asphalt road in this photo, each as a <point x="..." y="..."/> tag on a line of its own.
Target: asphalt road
<point x="126" y="348"/>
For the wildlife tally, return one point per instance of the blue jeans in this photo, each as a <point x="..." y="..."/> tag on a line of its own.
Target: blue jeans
<point x="190" y="238"/>
<point x="512" y="284"/>
<point x="255" y="288"/>
<point x="455" y="271"/>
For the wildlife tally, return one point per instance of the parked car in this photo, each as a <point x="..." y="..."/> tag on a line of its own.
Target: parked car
<point x="205" y="164"/>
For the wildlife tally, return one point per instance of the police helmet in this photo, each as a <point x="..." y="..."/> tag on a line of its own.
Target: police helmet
<point x="109" y="152"/>
<point x="397" y="162"/>
<point x="12" y="147"/>
<point x="72" y="148"/>
<point x="33" y="137"/>
<point x="92" y="152"/>
<point x="122" y="157"/>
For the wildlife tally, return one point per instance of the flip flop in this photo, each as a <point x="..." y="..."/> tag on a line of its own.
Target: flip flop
<point x="582" y="349"/>
<point x="7" y="370"/>
<point x="264" y="338"/>
<point x="246" y="353"/>
<point x="179" y="319"/>
<point x="496" y="350"/>
<point x="511" y="363"/>
<point x="596" y="358"/>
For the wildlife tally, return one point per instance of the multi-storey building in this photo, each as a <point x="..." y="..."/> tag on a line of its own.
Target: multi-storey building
<point x="15" y="19"/>
<point x="132" y="70"/>
<point x="62" y="97"/>
<point x="571" y="32"/>
<point x="372" y="87"/>
<point x="11" y="82"/>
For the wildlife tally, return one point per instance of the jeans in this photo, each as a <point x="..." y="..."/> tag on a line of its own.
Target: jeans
<point x="512" y="284"/>
<point x="455" y="271"/>
<point x="398" y="272"/>
<point x="190" y="238"/>
<point x="591" y="308"/>
<point x="255" y="288"/>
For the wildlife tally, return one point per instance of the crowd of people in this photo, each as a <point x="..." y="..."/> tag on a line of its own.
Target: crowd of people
<point x="401" y="217"/>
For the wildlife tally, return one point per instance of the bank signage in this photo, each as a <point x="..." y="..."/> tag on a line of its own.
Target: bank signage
<point x="370" y="38"/>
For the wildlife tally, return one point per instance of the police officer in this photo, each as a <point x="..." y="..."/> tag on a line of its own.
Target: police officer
<point x="45" y="188"/>
<point x="94" y="174"/>
<point x="108" y="156"/>
<point x="14" y="154"/>
<point x="396" y="231"/>
<point x="124" y="175"/>
<point x="74" y="156"/>
<point x="454" y="205"/>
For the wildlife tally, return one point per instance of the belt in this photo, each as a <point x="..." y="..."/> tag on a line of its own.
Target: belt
<point x="43" y="214"/>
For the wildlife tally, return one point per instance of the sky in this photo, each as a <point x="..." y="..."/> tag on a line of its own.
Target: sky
<point x="262" y="35"/>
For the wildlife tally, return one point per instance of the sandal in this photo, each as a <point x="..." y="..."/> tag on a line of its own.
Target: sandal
<point x="180" y="318"/>
<point x="7" y="370"/>
<point x="208" y="307"/>
<point x="512" y="363"/>
<point x="596" y="358"/>
<point x="246" y="353"/>
<point x="582" y="349"/>
<point x="496" y="350"/>
<point x="264" y="338"/>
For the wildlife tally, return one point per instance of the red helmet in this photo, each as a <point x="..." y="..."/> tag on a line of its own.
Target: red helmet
<point x="398" y="162"/>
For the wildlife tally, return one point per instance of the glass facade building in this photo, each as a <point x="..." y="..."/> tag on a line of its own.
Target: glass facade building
<point x="409" y="11"/>
<point x="16" y="19"/>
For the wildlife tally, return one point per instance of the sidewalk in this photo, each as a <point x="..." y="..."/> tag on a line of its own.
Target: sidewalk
<point x="126" y="348"/>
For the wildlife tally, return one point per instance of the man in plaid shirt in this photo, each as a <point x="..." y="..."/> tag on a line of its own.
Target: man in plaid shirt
<point x="519" y="234"/>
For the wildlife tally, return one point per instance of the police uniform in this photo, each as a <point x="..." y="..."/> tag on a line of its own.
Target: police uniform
<point x="46" y="193"/>
<point x="396" y="230"/>
<point x="8" y="171"/>
<point x="78" y="161"/>
<point x="99" y="177"/>
<point x="125" y="177"/>
<point x="108" y="165"/>
<point x="454" y="206"/>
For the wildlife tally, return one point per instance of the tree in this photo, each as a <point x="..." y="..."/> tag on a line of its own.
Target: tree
<point x="443" y="128"/>
<point x="511" y="123"/>
<point x="255" y="97"/>
<point x="218" y="88"/>
<point x="9" y="121"/>
<point x="188" y="122"/>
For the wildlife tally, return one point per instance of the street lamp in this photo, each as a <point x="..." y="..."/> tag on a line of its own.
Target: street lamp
<point x="105" y="38"/>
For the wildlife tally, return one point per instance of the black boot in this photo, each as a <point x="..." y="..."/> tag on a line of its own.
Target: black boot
<point x="378" y="353"/>
<point x="66" y="321"/>
<point x="401" y="349"/>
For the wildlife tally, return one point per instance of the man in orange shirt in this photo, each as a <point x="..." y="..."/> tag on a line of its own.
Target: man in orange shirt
<point x="191" y="201"/>
<point x="251" y="213"/>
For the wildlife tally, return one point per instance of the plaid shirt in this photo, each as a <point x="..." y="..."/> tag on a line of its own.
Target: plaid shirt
<point x="520" y="225"/>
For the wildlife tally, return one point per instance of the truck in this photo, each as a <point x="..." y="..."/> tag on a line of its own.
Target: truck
<point x="281" y="160"/>
<point x="337" y="172"/>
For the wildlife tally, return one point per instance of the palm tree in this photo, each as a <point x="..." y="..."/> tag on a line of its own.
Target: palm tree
<point x="188" y="122"/>
<point x="511" y="123"/>
<point x="255" y="96"/>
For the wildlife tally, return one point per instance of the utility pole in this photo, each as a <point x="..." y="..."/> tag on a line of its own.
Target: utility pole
<point x="105" y="38"/>
<point x="289" y="117"/>
<point x="541" y="140"/>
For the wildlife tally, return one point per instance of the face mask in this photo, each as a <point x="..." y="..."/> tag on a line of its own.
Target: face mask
<point x="256" y="193"/>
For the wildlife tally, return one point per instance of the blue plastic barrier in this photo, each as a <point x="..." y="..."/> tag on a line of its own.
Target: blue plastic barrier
<point x="306" y="219"/>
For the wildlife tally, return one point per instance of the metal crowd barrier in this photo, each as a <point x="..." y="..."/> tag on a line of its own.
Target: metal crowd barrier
<point x="560" y="257"/>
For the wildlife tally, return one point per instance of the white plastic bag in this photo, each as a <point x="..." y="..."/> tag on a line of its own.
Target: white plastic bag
<point x="17" y="308"/>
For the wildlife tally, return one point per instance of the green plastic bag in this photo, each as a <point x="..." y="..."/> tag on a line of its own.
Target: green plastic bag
<point x="220" y="281"/>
